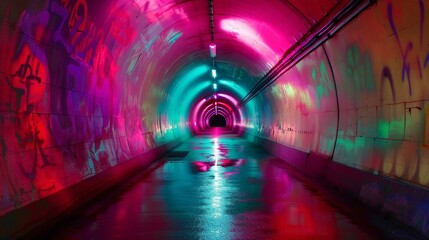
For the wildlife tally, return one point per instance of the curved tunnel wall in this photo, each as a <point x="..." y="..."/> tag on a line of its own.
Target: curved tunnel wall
<point x="379" y="71"/>
<point x="74" y="102"/>
<point x="83" y="89"/>
<point x="369" y="112"/>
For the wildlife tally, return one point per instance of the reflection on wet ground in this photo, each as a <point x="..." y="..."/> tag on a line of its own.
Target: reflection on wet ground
<point x="224" y="188"/>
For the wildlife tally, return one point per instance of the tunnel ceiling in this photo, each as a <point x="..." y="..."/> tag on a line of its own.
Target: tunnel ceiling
<point x="87" y="85"/>
<point x="251" y="38"/>
<point x="250" y="35"/>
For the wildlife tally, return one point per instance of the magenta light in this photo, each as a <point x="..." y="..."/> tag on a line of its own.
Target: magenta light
<point x="231" y="99"/>
<point x="212" y="50"/>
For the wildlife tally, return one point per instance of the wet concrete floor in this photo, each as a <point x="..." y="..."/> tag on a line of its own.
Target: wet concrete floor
<point x="220" y="186"/>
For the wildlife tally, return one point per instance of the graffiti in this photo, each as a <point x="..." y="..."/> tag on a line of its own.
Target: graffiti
<point x="83" y="35"/>
<point x="30" y="77"/>
<point x="88" y="48"/>
<point x="33" y="136"/>
<point x="22" y="81"/>
<point x="59" y="11"/>
<point x="78" y="15"/>
<point x="386" y="74"/>
<point x="359" y="70"/>
<point x="33" y="27"/>
<point x="322" y="82"/>
<point x="409" y="46"/>
<point x="61" y="90"/>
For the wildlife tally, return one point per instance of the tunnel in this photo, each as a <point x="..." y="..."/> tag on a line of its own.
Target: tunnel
<point x="254" y="102"/>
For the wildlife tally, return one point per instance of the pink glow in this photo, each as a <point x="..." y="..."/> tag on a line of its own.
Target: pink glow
<point x="204" y="109"/>
<point x="246" y="34"/>
<point x="231" y="99"/>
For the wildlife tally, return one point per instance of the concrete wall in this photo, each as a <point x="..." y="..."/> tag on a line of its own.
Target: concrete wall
<point x="74" y="102"/>
<point x="88" y="85"/>
<point x="369" y="114"/>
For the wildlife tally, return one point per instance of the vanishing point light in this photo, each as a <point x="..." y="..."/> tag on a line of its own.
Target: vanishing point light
<point x="214" y="86"/>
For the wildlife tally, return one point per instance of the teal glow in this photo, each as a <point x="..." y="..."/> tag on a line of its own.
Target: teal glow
<point x="183" y="83"/>
<point x="187" y="85"/>
<point x="214" y="86"/>
<point x="250" y="107"/>
<point x="173" y="36"/>
<point x="239" y="90"/>
<point x="183" y="110"/>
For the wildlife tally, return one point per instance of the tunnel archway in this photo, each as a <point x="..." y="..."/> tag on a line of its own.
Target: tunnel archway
<point x="217" y="120"/>
<point x="100" y="82"/>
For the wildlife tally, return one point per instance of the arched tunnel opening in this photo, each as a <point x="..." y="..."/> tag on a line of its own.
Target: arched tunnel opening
<point x="314" y="94"/>
<point x="217" y="120"/>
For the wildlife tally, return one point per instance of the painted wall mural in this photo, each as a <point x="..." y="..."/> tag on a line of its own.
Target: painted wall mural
<point x="71" y="96"/>
<point x="385" y="130"/>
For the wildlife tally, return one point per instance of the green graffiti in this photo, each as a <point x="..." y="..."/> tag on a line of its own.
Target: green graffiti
<point x="322" y="82"/>
<point x="350" y="144"/>
<point x="390" y="128"/>
<point x="359" y="70"/>
<point x="275" y="91"/>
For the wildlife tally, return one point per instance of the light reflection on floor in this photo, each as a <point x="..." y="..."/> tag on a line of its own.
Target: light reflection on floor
<point x="225" y="188"/>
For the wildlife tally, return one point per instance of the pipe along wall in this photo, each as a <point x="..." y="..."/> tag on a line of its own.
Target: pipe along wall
<point x="86" y="88"/>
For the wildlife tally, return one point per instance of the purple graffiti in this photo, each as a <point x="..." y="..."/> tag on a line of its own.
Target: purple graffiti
<point x="62" y="13"/>
<point x="406" y="65"/>
<point x="386" y="74"/>
<point x="28" y="23"/>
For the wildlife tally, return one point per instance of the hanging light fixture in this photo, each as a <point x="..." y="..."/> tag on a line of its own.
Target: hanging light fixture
<point x="212" y="48"/>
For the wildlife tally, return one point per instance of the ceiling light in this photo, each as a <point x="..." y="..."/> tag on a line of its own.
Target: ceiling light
<point x="212" y="50"/>
<point x="214" y="74"/>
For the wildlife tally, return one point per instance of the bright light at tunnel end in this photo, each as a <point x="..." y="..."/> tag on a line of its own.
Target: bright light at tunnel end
<point x="215" y="86"/>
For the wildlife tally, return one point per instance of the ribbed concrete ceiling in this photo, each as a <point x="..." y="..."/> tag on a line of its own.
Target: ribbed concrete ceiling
<point x="251" y="38"/>
<point x="250" y="35"/>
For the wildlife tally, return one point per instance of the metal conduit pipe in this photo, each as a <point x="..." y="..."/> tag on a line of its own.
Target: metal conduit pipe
<point x="301" y="50"/>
